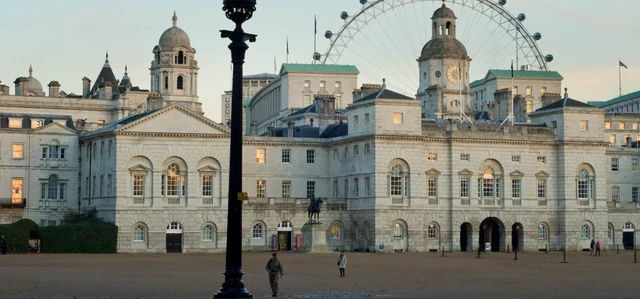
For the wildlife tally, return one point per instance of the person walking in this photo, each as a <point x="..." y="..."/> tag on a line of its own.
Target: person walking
<point x="598" y="248"/>
<point x="593" y="247"/>
<point x="342" y="263"/>
<point x="3" y="244"/>
<point x="274" y="267"/>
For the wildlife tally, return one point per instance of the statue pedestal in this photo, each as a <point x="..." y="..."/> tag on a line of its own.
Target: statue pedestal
<point x="314" y="238"/>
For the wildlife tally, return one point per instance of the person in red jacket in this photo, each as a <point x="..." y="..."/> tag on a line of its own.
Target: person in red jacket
<point x="598" y="248"/>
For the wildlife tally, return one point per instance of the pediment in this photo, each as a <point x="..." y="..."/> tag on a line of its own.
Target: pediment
<point x="516" y="173"/>
<point x="208" y="169"/>
<point x="542" y="174"/>
<point x="54" y="128"/>
<point x="465" y="172"/>
<point x="174" y="120"/>
<point x="140" y="168"/>
<point x="433" y="172"/>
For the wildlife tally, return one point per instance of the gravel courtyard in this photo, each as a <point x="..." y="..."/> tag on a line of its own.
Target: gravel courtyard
<point x="369" y="275"/>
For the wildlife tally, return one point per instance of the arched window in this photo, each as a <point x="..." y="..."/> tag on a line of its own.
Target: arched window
<point x="208" y="233"/>
<point x="336" y="231"/>
<point x="181" y="57"/>
<point x="367" y="233"/>
<point x="542" y="232"/>
<point x="628" y="226"/>
<point x="166" y="82"/>
<point x="432" y="232"/>
<point x="586" y="232"/>
<point x="583" y="184"/>
<point x="180" y="83"/>
<point x="356" y="230"/>
<point x="138" y="233"/>
<point x="173" y="180"/>
<point x="398" y="181"/>
<point x="448" y="26"/>
<point x="610" y="232"/>
<point x="398" y="231"/>
<point x="489" y="186"/>
<point x="257" y="231"/>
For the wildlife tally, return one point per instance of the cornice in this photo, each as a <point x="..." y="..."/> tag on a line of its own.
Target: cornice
<point x="159" y="134"/>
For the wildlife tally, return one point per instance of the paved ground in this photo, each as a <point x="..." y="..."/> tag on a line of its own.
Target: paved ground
<point x="369" y="275"/>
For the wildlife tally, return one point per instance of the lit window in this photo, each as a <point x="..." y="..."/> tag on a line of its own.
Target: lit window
<point x="338" y="101"/>
<point x="36" y="123"/>
<point x="543" y="90"/>
<point x="15" y="123"/>
<point x="338" y="85"/>
<point x="311" y="189"/>
<point x="432" y="232"/>
<point x="397" y="118"/>
<point x="615" y="193"/>
<point x="612" y="139"/>
<point x="138" y="234"/>
<point x="261" y="189"/>
<point x="311" y="156"/>
<point x="207" y="233"/>
<point x="138" y="185"/>
<point x="286" y="189"/>
<point x="174" y="180"/>
<point x="335" y="231"/>
<point x="398" y="231"/>
<point x="257" y="231"/>
<point x="18" y="151"/>
<point x="614" y="164"/>
<point x="620" y="126"/>
<point x="542" y="232"/>
<point x="515" y="90"/>
<point x="260" y="155"/>
<point x="529" y="106"/>
<point x="542" y="159"/>
<point x="323" y="84"/>
<point x="634" y="126"/>
<point x="307" y="84"/>
<point x="584" y="125"/>
<point x="286" y="155"/>
<point x="624" y="138"/>
<point x="607" y="125"/>
<point x="529" y="90"/>
<point x="432" y="156"/>
<point x="306" y="100"/>
<point x="207" y="185"/>
<point x="16" y="191"/>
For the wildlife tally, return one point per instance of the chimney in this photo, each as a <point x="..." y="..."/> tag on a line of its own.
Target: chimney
<point x="290" y="128"/>
<point x="548" y="98"/>
<point x="54" y="89"/>
<point x="21" y="86"/>
<point x="108" y="91"/>
<point x="4" y="89"/>
<point x="154" y="101"/>
<point x="254" y="128"/>
<point x="86" y="87"/>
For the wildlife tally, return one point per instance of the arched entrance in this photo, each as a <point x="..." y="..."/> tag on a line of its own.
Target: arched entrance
<point x="628" y="235"/>
<point x="174" y="237"/>
<point x="400" y="236"/>
<point x="492" y="232"/>
<point x="466" y="237"/>
<point x="517" y="237"/>
<point x="285" y="230"/>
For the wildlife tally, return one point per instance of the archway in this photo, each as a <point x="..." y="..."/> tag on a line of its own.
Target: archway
<point x="492" y="234"/>
<point x="466" y="237"/>
<point x="285" y="230"/>
<point x="517" y="237"/>
<point x="628" y="236"/>
<point x="174" y="237"/>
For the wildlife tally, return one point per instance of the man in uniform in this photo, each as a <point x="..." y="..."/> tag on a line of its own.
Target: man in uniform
<point x="274" y="268"/>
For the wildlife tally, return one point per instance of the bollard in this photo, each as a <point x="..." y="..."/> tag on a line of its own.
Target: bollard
<point x="478" y="252"/>
<point x="617" y="248"/>
<point x="516" y="253"/>
<point x="564" y="261"/>
<point x="443" y="251"/>
<point x="546" y="248"/>
<point x="507" y="248"/>
<point x="635" y="255"/>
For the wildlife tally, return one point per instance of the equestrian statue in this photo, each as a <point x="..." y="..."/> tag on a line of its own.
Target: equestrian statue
<point x="314" y="209"/>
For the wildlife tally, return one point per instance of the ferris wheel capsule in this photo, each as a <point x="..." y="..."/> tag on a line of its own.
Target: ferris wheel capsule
<point x="502" y="2"/>
<point x="521" y="17"/>
<point x="328" y="34"/>
<point x="363" y="2"/>
<point x="537" y="36"/>
<point x="316" y="56"/>
<point x="548" y="58"/>
<point x="344" y="15"/>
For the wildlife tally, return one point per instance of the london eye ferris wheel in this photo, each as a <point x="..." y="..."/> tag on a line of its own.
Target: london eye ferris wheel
<point x="384" y="38"/>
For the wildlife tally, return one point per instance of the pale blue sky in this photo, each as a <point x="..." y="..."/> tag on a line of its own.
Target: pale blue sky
<point x="66" y="40"/>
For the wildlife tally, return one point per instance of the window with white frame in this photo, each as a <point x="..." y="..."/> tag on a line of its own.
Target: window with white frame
<point x="53" y="189"/>
<point x="542" y="159"/>
<point x="311" y="156"/>
<point x="356" y="150"/>
<point x="311" y="189"/>
<point x="336" y="231"/>
<point x="355" y="120"/>
<point x="584" y="125"/>
<point x="286" y="155"/>
<point x="366" y="118"/>
<point x="138" y="185"/>
<point x="306" y="100"/>
<point x="464" y="187"/>
<point x="615" y="193"/>
<point x="397" y="180"/>
<point x="286" y="189"/>
<point x="338" y="101"/>
<point x="634" y="164"/>
<point x="261" y="188"/>
<point x="515" y="158"/>
<point x="542" y="232"/>
<point x="174" y="179"/>
<point x="432" y="232"/>
<point x="260" y="155"/>
<point x="585" y="232"/>
<point x="207" y="185"/>
<point x="583" y="184"/>
<point x="397" y="118"/>
<point x="464" y="157"/>
<point x="367" y="186"/>
<point x="542" y="188"/>
<point x="398" y="231"/>
<point x="516" y="188"/>
<point x="614" y="164"/>
<point x="432" y="187"/>
<point x="634" y="194"/>
<point x="356" y="187"/>
<point x="323" y="84"/>
<point x="17" y="151"/>
<point x="208" y="233"/>
<point x="139" y="233"/>
<point x="257" y="231"/>
<point x="367" y="148"/>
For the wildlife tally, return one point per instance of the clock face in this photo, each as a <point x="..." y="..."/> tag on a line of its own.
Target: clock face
<point x="438" y="74"/>
<point x="453" y="74"/>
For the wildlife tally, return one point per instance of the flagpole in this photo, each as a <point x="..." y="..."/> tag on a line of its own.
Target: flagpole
<point x="619" y="77"/>
<point x="512" y="96"/>
<point x="460" y="89"/>
<point x="287" y="60"/>
<point x="315" y="31"/>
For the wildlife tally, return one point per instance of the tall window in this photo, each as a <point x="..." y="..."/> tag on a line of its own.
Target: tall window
<point x="52" y="183"/>
<point x="336" y="231"/>
<point x="355" y="120"/>
<point x="612" y="138"/>
<point x="306" y="100"/>
<point x="620" y="126"/>
<point x="108" y="184"/>
<point x="367" y="148"/>
<point x="138" y="185"/>
<point x="180" y="83"/>
<point x="583" y="184"/>
<point x="101" y="185"/>
<point x="335" y="189"/>
<point x="464" y="187"/>
<point x="208" y="233"/>
<point x="585" y="232"/>
<point x="432" y="187"/>
<point x="356" y="150"/>
<point x="286" y="155"/>
<point x="311" y="189"/>
<point x="432" y="232"/>
<point x="108" y="148"/>
<point x="367" y="186"/>
<point x="607" y="125"/>
<point x="307" y="84"/>
<point x="584" y="125"/>
<point x="138" y="234"/>
<point x="18" y="151"/>
<point x="257" y="231"/>
<point x="398" y="231"/>
<point x="488" y="186"/>
<point x="615" y="193"/>
<point x="260" y="155"/>
<point x="366" y="118"/>
<point x="338" y="101"/>
<point x="529" y="90"/>
<point x="16" y="191"/>
<point x="634" y="194"/>
<point x="286" y="189"/>
<point x="542" y="232"/>
<point x="173" y="180"/>
<point x="634" y="164"/>
<point x="614" y="164"/>
<point x="180" y="59"/>
<point x="346" y="188"/>
<point x="338" y="85"/>
<point x="529" y="106"/>
<point x="542" y="188"/>
<point x="515" y="188"/>
<point x="207" y="185"/>
<point x="260" y="188"/>
<point x="311" y="156"/>
<point x="397" y="180"/>
<point x="356" y="187"/>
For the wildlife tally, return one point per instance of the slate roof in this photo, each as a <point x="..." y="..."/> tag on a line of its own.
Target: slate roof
<point x="26" y="119"/>
<point x="318" y="68"/>
<point x="305" y="131"/>
<point x="260" y="76"/>
<point x="335" y="130"/>
<point x="526" y="74"/>
<point x="124" y="121"/>
<point x="566" y="102"/>
<point x="105" y="75"/>
<point x="309" y="109"/>
<point x="385" y="94"/>
<point x="616" y="100"/>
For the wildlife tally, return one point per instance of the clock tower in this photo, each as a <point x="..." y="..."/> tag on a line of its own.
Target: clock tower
<point x="444" y="70"/>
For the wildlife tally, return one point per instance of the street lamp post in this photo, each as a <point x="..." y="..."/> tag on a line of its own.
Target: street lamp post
<point x="238" y="11"/>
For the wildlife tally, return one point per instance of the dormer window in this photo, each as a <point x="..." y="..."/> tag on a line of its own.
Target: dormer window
<point x="15" y="123"/>
<point x="36" y="123"/>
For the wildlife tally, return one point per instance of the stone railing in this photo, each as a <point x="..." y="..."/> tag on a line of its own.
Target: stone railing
<point x="329" y="204"/>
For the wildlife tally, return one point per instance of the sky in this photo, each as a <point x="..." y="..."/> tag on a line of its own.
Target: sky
<point x="67" y="40"/>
